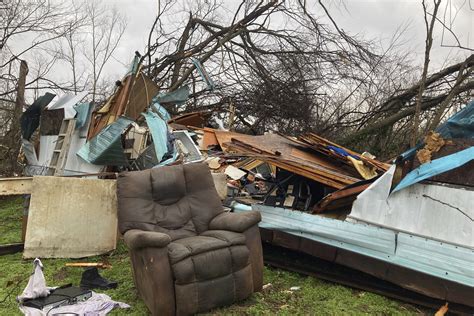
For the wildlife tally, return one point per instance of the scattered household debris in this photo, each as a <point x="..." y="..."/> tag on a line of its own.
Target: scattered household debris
<point x="36" y="286"/>
<point x="266" y="286"/>
<point x="433" y="143"/>
<point x="314" y="195"/>
<point x="91" y="279"/>
<point x="101" y="265"/>
<point x="442" y="310"/>
<point x="39" y="299"/>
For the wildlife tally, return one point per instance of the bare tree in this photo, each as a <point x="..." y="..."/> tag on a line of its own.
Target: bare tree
<point x="429" y="27"/>
<point x="106" y="28"/>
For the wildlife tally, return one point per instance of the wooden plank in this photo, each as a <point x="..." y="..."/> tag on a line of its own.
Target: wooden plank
<point x="209" y="139"/>
<point x="15" y="186"/>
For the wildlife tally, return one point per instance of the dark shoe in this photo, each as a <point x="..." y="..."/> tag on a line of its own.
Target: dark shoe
<point x="91" y="279"/>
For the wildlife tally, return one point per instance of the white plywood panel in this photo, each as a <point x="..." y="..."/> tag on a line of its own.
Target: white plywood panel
<point x="71" y="218"/>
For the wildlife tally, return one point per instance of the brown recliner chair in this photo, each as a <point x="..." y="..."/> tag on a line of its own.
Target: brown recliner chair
<point x="187" y="254"/>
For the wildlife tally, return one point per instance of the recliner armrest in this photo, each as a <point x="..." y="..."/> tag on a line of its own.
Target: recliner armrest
<point x="136" y="238"/>
<point x="236" y="222"/>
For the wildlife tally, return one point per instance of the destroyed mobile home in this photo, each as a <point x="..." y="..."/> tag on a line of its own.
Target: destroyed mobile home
<point x="409" y="222"/>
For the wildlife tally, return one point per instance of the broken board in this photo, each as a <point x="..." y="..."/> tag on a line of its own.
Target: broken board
<point x="71" y="218"/>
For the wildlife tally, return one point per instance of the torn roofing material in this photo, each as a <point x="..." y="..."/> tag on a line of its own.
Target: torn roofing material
<point x="295" y="156"/>
<point x="156" y="119"/>
<point x="83" y="114"/>
<point x="67" y="102"/>
<point x="204" y="75"/>
<point x="106" y="147"/>
<point x="460" y="125"/>
<point x="178" y="96"/>
<point x="131" y="97"/>
<point x="435" y="167"/>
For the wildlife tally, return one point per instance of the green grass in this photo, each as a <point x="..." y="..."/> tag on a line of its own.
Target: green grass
<point x="11" y="212"/>
<point x="315" y="297"/>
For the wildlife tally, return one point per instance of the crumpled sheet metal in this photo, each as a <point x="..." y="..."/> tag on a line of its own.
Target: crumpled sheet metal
<point x="178" y="96"/>
<point x="439" y="212"/>
<point x="83" y="114"/>
<point x="67" y="102"/>
<point x="158" y="129"/>
<point x="204" y="75"/>
<point x="106" y="147"/>
<point x="442" y="260"/>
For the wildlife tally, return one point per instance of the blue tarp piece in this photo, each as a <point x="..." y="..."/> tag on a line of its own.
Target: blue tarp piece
<point x="341" y="152"/>
<point x="435" y="167"/>
<point x="210" y="84"/>
<point x="156" y="122"/>
<point x="83" y="111"/>
<point x="178" y="96"/>
<point x="106" y="147"/>
<point x="460" y="125"/>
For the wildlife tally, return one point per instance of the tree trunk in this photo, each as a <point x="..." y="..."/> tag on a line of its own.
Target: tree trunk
<point x="15" y="129"/>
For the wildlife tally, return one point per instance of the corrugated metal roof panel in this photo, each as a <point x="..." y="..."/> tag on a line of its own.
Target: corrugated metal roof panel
<point x="442" y="260"/>
<point x="106" y="147"/>
<point x="362" y="238"/>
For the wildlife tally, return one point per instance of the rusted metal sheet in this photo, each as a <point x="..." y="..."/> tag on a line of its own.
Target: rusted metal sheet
<point x="15" y="186"/>
<point x="71" y="218"/>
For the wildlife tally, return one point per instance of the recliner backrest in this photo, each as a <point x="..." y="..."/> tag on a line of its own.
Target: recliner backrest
<point x="179" y="200"/>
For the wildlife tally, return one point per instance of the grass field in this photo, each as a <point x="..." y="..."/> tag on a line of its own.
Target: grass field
<point x="314" y="297"/>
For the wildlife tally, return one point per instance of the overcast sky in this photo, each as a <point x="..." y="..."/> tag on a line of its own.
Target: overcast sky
<point x="376" y="19"/>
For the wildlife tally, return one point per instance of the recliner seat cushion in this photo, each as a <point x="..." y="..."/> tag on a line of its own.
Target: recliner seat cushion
<point x="209" y="240"/>
<point x="211" y="255"/>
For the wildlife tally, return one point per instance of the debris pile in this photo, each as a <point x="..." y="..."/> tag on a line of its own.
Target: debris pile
<point x="314" y="195"/>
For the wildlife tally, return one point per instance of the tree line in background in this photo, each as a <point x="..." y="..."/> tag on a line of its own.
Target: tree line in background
<point x="277" y="66"/>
